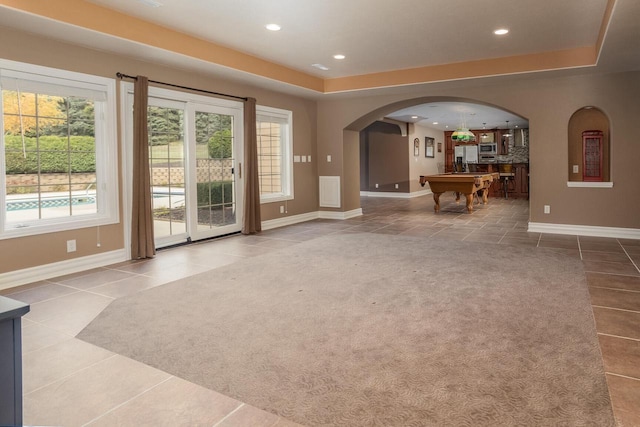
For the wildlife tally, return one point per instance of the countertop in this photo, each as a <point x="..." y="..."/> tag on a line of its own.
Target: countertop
<point x="11" y="309"/>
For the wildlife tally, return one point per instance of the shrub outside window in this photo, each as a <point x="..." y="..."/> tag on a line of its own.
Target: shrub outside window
<point x="58" y="150"/>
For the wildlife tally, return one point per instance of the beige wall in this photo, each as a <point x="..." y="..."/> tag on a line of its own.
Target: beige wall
<point x="331" y="126"/>
<point x="20" y="253"/>
<point x="385" y="159"/>
<point x="350" y="193"/>
<point x="548" y="103"/>
<point x="422" y="165"/>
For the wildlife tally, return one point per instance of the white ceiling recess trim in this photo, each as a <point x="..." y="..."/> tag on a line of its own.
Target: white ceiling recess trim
<point x="329" y="191"/>
<point x="585" y="230"/>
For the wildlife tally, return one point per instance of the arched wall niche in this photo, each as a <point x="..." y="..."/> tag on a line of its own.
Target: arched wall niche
<point x="582" y="122"/>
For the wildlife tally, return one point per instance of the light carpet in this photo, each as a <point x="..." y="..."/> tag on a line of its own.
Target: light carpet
<point x="377" y="330"/>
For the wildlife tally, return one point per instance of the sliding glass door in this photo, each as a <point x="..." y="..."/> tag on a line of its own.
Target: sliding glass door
<point x="167" y="151"/>
<point x="195" y="152"/>
<point x="215" y="192"/>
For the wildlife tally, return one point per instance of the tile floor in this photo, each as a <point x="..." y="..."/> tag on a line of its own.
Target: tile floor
<point x="69" y="382"/>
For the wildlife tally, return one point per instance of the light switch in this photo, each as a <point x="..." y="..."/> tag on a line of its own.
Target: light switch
<point x="329" y="158"/>
<point x="309" y="158"/>
<point x="304" y="159"/>
<point x="296" y="159"/>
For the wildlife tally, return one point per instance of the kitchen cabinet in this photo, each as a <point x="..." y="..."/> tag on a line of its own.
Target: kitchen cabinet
<point x="448" y="152"/>
<point x="503" y="142"/>
<point x="491" y="135"/>
<point x="517" y="187"/>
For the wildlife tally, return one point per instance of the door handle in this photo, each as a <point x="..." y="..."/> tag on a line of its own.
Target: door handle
<point x="239" y="170"/>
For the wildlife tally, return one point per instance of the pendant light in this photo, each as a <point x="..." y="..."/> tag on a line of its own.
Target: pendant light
<point x="508" y="134"/>
<point x="462" y="134"/>
<point x="484" y="134"/>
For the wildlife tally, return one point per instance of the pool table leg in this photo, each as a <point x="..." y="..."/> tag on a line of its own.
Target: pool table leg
<point x="469" y="198"/>
<point x="485" y="196"/>
<point x="436" y="199"/>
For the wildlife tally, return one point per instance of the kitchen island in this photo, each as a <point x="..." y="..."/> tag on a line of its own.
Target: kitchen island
<point x="469" y="184"/>
<point x="517" y="188"/>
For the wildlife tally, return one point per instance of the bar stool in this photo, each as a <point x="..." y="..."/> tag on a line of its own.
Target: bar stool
<point x="506" y="173"/>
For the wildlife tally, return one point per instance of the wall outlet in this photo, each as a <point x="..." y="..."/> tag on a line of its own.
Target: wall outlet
<point x="71" y="245"/>
<point x="281" y="209"/>
<point x="397" y="186"/>
<point x="376" y="185"/>
<point x="575" y="169"/>
<point x="547" y="209"/>
<point x="329" y="158"/>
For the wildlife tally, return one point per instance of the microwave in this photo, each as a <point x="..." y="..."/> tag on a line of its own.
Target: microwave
<point x="487" y="148"/>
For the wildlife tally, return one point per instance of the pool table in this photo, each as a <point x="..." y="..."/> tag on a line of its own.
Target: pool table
<point x="466" y="183"/>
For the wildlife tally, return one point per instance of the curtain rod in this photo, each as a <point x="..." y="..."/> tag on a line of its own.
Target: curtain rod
<point x="125" y="76"/>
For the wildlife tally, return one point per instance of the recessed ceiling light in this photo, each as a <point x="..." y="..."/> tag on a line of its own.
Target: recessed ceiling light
<point x="339" y="56"/>
<point x="501" y="31"/>
<point x="435" y="123"/>
<point x="414" y="117"/>
<point x="273" y="27"/>
<point x="320" y="67"/>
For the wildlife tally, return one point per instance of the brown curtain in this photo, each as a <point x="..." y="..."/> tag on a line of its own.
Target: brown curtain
<point x="142" y="242"/>
<point x="251" y="223"/>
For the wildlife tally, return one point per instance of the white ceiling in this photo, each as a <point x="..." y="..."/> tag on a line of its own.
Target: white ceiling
<point x="450" y="115"/>
<point x="375" y="36"/>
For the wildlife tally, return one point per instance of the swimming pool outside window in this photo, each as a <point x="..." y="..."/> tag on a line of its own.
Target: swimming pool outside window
<point x="58" y="150"/>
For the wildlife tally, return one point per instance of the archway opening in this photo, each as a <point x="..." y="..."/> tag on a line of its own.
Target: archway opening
<point x="423" y="128"/>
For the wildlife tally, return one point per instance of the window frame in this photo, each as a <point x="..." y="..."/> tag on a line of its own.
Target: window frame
<point x="286" y="166"/>
<point x="106" y="149"/>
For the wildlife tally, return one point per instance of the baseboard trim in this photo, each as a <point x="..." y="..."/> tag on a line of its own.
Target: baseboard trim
<point x="309" y="216"/>
<point x="62" y="268"/>
<point x="585" y="230"/>
<point x="340" y="215"/>
<point x="289" y="220"/>
<point x="395" y="195"/>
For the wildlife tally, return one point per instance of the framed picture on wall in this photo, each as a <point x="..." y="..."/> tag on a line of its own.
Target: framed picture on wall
<point x="439" y="147"/>
<point x="429" y="147"/>
<point x="416" y="147"/>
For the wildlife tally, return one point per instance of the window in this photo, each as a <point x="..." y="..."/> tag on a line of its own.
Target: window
<point x="58" y="150"/>
<point x="275" y="162"/>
